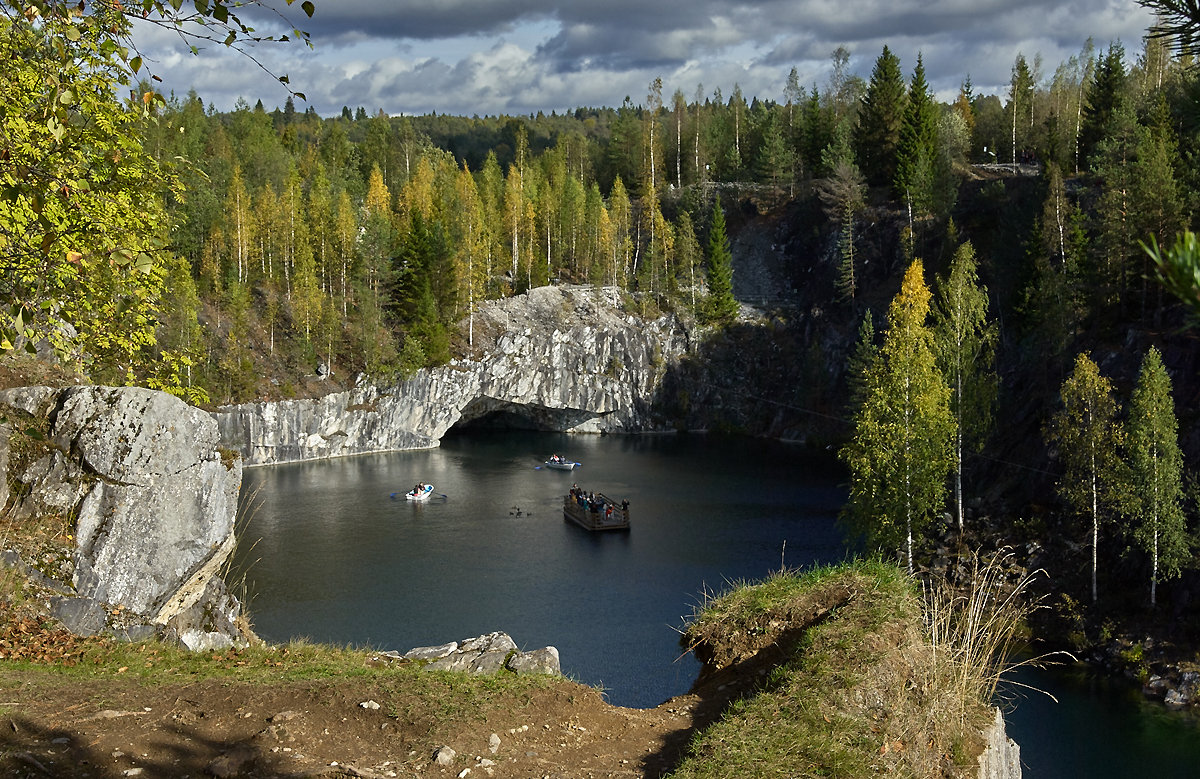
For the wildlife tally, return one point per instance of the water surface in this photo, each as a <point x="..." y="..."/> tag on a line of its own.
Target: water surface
<point x="341" y="560"/>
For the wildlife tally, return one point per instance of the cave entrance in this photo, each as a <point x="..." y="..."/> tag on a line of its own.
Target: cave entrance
<point x="492" y="414"/>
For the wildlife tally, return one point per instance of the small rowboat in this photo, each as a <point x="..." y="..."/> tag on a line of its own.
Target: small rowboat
<point x="560" y="463"/>
<point x="420" y="493"/>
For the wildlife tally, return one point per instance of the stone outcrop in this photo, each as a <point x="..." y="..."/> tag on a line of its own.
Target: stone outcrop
<point x="485" y="654"/>
<point x="1001" y="758"/>
<point x="153" y="504"/>
<point x="560" y="358"/>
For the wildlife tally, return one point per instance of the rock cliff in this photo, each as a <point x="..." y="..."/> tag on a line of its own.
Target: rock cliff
<point x="1001" y="758"/>
<point x="559" y="358"/>
<point x="137" y="479"/>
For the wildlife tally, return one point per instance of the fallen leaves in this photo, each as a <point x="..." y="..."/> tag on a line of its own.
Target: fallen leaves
<point x="33" y="641"/>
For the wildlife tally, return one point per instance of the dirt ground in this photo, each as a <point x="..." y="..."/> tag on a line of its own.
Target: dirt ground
<point x="53" y="727"/>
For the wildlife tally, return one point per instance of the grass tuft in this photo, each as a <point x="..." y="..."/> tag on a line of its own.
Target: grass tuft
<point x="848" y="671"/>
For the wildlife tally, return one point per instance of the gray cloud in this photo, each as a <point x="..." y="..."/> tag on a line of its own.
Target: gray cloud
<point x="522" y="56"/>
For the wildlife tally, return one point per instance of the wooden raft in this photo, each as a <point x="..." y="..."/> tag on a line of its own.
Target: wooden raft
<point x="604" y="514"/>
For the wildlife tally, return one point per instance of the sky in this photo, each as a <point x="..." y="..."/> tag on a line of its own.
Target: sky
<point x="519" y="57"/>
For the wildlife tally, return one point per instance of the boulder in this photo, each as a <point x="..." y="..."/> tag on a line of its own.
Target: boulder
<point x="486" y="654"/>
<point x="155" y="503"/>
<point x="539" y="661"/>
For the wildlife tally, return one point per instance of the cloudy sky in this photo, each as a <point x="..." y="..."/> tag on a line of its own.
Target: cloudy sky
<point x="469" y="57"/>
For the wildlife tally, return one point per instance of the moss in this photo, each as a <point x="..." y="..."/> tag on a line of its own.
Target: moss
<point x="229" y="457"/>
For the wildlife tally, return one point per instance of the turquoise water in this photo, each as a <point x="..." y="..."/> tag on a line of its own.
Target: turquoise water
<point x="339" y="560"/>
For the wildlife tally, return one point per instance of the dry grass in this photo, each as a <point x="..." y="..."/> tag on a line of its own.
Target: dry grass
<point x="974" y="633"/>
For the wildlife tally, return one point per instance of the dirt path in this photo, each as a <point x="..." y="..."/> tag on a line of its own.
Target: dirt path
<point x="52" y="727"/>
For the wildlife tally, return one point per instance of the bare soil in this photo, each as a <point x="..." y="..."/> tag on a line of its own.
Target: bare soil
<point x="383" y="724"/>
<point x="59" y="728"/>
<point x="55" y="726"/>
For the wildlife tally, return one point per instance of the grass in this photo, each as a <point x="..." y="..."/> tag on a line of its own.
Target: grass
<point x="975" y="632"/>
<point x="449" y="696"/>
<point x="869" y="677"/>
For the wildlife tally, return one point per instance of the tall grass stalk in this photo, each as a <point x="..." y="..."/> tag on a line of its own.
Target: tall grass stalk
<point x="975" y="633"/>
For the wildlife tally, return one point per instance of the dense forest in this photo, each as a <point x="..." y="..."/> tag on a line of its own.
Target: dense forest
<point x="222" y="255"/>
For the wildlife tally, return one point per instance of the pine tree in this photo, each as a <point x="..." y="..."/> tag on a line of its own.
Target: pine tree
<point x="722" y="306"/>
<point x="965" y="342"/>
<point x="900" y="454"/>
<point x="1086" y="435"/>
<point x="1153" y="496"/>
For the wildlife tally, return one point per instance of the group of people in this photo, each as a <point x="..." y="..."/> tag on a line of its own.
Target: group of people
<point x="592" y="503"/>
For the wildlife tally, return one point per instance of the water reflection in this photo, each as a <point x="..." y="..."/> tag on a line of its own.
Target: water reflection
<point x="340" y="561"/>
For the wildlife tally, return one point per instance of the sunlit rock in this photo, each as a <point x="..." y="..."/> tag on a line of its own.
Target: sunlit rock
<point x="558" y="358"/>
<point x="154" y="505"/>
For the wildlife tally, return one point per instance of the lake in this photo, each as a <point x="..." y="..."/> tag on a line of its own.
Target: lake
<point x="342" y="558"/>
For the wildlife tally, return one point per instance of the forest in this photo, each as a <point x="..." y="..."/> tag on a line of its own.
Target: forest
<point x="149" y="239"/>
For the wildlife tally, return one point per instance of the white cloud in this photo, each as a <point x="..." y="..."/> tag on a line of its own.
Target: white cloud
<point x="522" y="56"/>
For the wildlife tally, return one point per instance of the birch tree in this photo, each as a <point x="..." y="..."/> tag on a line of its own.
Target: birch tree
<point x="900" y="454"/>
<point x="1153" y="497"/>
<point x="965" y="341"/>
<point x="1087" y="438"/>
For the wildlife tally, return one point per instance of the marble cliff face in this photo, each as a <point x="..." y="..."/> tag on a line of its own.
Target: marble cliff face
<point x="154" y="506"/>
<point x="561" y="358"/>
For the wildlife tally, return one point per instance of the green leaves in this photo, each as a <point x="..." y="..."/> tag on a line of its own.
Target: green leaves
<point x="1153" y="493"/>
<point x="900" y="454"/>
<point x="1178" y="267"/>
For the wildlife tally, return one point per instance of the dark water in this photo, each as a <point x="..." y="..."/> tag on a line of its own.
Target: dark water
<point x="340" y="561"/>
<point x="1099" y="727"/>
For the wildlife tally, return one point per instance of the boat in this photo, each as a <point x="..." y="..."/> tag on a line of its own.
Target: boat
<point x="421" y="492"/>
<point x="559" y="463"/>
<point x="599" y="512"/>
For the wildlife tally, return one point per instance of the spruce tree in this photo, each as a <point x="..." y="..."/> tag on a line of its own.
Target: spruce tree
<point x="917" y="144"/>
<point x="722" y="306"/>
<point x="842" y="194"/>
<point x="1105" y="96"/>
<point x="879" y="120"/>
